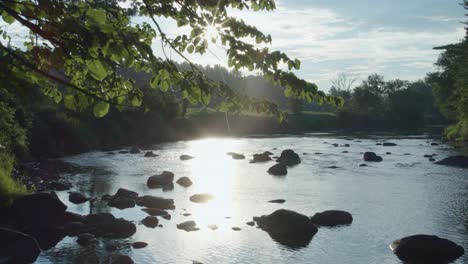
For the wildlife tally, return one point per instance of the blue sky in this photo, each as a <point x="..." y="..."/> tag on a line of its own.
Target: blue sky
<point x="392" y="38"/>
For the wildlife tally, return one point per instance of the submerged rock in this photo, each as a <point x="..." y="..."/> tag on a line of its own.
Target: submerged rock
<point x="86" y="239"/>
<point x="277" y="201"/>
<point x="371" y="156"/>
<point x="105" y="224"/>
<point x="201" y="198"/>
<point x="332" y="218"/>
<point x="188" y="226"/>
<point x="389" y="144"/>
<point x="150" y="154"/>
<point x="134" y="150"/>
<point x="121" y="202"/>
<point x="333" y="167"/>
<point x="278" y="170"/>
<point x="184" y="181"/>
<point x="150" y="221"/>
<point x="454" y="161"/>
<point x="122" y="259"/>
<point x="362" y="165"/>
<point x="77" y="198"/>
<point x="60" y="185"/>
<point x="235" y="228"/>
<point x="426" y="249"/>
<point x="155" y="202"/>
<point x="154" y="211"/>
<point x="288" y="228"/>
<point x="126" y="193"/>
<point x="17" y="247"/>
<point x="237" y="156"/>
<point x="250" y="223"/>
<point x="263" y="157"/>
<point x="186" y="157"/>
<point x="160" y="180"/>
<point x="138" y="245"/>
<point x="289" y="158"/>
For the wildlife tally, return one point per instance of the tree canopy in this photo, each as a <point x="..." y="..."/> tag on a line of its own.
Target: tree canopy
<point x="75" y="51"/>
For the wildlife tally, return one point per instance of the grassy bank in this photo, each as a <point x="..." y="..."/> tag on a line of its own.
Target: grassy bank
<point x="9" y="187"/>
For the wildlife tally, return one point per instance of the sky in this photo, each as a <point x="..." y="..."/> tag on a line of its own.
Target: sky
<point x="394" y="38"/>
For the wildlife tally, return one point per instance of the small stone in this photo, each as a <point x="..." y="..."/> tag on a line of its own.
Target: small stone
<point x="236" y="229"/>
<point x="138" y="245"/>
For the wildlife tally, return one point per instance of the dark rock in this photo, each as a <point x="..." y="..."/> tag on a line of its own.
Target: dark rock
<point x="388" y="153"/>
<point x="333" y="167"/>
<point x="123" y="151"/>
<point x="17" y="247"/>
<point x="184" y="181"/>
<point x="346" y="145"/>
<point x="138" y="245"/>
<point x="154" y="211"/>
<point x="167" y="217"/>
<point x="236" y="228"/>
<point x="263" y="157"/>
<point x="187" y="214"/>
<point x="121" y="192"/>
<point x="434" y="144"/>
<point x="134" y="150"/>
<point x="110" y="153"/>
<point x="188" y="226"/>
<point x="121" y="202"/>
<point x="155" y="202"/>
<point x="251" y="223"/>
<point x="60" y="186"/>
<point x="111" y="247"/>
<point x="318" y="153"/>
<point x="39" y="211"/>
<point x="106" y="197"/>
<point x="165" y="178"/>
<point x="77" y="198"/>
<point x="288" y="228"/>
<point x="379" y="144"/>
<point x="362" y="165"/>
<point x="277" y="201"/>
<point x="106" y="224"/>
<point x="335" y="144"/>
<point x="388" y="144"/>
<point x="76" y="228"/>
<point x="86" y="239"/>
<point x="237" y="156"/>
<point x="431" y="159"/>
<point x="168" y="187"/>
<point x="289" y="157"/>
<point x="278" y="169"/>
<point x="454" y="161"/>
<point x="201" y="198"/>
<point x="344" y="151"/>
<point x="371" y="156"/>
<point x="332" y="218"/>
<point x="426" y="249"/>
<point x="186" y="157"/>
<point x="267" y="153"/>
<point x="428" y="156"/>
<point x="150" y="154"/>
<point x="72" y="217"/>
<point x="150" y="221"/>
<point x="47" y="237"/>
<point x="122" y="259"/>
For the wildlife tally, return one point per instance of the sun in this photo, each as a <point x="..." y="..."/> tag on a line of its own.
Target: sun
<point x="211" y="33"/>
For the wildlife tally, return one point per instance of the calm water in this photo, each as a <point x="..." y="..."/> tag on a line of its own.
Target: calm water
<point x="401" y="196"/>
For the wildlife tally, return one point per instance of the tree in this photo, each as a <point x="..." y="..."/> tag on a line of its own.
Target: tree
<point x="75" y="50"/>
<point x="342" y="82"/>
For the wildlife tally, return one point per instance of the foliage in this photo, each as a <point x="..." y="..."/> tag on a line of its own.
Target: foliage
<point x="9" y="188"/>
<point x="76" y="48"/>
<point x="451" y="86"/>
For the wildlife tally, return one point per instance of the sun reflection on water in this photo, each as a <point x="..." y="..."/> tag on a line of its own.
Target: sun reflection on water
<point x="214" y="172"/>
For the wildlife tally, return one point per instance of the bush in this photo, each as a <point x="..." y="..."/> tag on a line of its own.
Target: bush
<point x="9" y="187"/>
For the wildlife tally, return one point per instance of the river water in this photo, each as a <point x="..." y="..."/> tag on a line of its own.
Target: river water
<point x="403" y="195"/>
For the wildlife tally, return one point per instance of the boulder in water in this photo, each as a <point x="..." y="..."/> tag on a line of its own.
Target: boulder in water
<point x="371" y="156"/>
<point x="160" y="180"/>
<point x="186" y="157"/>
<point x="150" y="154"/>
<point x="184" y="181"/>
<point x="278" y="169"/>
<point x="277" y="201"/>
<point x="454" y="161"/>
<point x="155" y="211"/>
<point x="86" y="239"/>
<point x="237" y="156"/>
<point x="389" y="144"/>
<point x="122" y="259"/>
<point x="77" y="198"/>
<point x="426" y="249"/>
<point x="332" y="218"/>
<point x="201" y="198"/>
<point x="288" y="228"/>
<point x="134" y="150"/>
<point x="106" y="224"/>
<point x="155" y="202"/>
<point x="126" y="193"/>
<point x="121" y="202"/>
<point x="150" y="221"/>
<point x="138" y="245"/>
<point x="188" y="226"/>
<point x="289" y="157"/>
<point x="263" y="157"/>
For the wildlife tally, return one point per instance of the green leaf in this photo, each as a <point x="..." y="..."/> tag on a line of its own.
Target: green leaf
<point x="190" y="49"/>
<point x="164" y="86"/>
<point x="7" y="18"/>
<point x="69" y="102"/>
<point x="97" y="69"/>
<point x="96" y="17"/>
<point x="100" y="109"/>
<point x="136" y="101"/>
<point x="297" y="63"/>
<point x="57" y="96"/>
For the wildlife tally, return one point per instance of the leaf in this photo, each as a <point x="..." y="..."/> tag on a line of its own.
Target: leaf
<point x="96" y="17"/>
<point x="164" y="86"/>
<point x="69" y="102"/>
<point x="100" y="109"/>
<point x="57" y="96"/>
<point x="97" y="69"/>
<point x="297" y="64"/>
<point x="7" y="18"/>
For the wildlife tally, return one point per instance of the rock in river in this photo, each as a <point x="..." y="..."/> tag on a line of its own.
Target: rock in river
<point x="105" y="224"/>
<point x="289" y="157"/>
<point x="188" y="226"/>
<point x="138" y="245"/>
<point x="16" y="247"/>
<point x="201" y="198"/>
<point x="389" y="144"/>
<point x="288" y="228"/>
<point x="150" y="154"/>
<point x="371" y="156"/>
<point x="159" y="180"/>
<point x="77" y="198"/>
<point x="126" y="193"/>
<point x="278" y="169"/>
<point x="155" y="202"/>
<point x="454" y="161"/>
<point x="262" y="157"/>
<point x="134" y="150"/>
<point x="155" y="211"/>
<point x="150" y="221"/>
<point x="186" y="157"/>
<point x="426" y="249"/>
<point x="39" y="211"/>
<point x="86" y="239"/>
<point x="277" y="201"/>
<point x="121" y="202"/>
<point x="122" y="259"/>
<point x="332" y="218"/>
<point x="184" y="181"/>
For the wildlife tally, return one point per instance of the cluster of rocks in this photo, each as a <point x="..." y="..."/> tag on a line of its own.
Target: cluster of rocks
<point x="287" y="159"/>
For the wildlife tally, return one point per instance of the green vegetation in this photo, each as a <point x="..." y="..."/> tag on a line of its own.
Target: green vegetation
<point x="451" y="86"/>
<point x="9" y="188"/>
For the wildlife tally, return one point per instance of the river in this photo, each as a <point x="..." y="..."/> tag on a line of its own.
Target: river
<point x="405" y="194"/>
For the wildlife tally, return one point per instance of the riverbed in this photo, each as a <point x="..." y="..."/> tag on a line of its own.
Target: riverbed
<point x="403" y="195"/>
